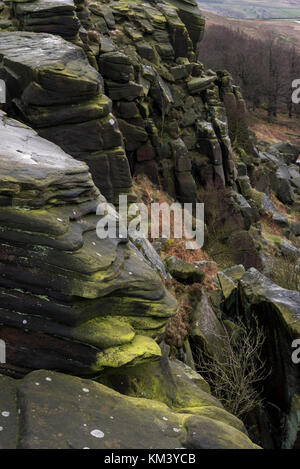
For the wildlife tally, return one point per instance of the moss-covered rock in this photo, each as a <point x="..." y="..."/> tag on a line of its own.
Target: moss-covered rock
<point x="69" y="300"/>
<point x="59" y="411"/>
<point x="182" y="271"/>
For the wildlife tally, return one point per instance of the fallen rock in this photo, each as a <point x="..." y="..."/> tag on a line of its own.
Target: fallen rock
<point x="182" y="271"/>
<point x="278" y="314"/>
<point x="280" y="219"/>
<point x="289" y="250"/>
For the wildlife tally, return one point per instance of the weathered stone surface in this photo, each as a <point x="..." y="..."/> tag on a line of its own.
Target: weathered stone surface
<point x="207" y="332"/>
<point x="280" y="219"/>
<point x="55" y="89"/>
<point x="278" y="313"/>
<point x="58" y="280"/>
<point x="48" y="16"/>
<point x="182" y="271"/>
<point x="64" y="412"/>
<point x="289" y="250"/>
<point x="198" y="84"/>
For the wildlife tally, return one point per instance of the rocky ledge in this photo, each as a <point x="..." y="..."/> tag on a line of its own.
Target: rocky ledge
<point x="52" y="87"/>
<point x="69" y="301"/>
<point x="49" y="410"/>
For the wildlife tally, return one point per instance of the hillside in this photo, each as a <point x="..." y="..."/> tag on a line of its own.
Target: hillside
<point x="287" y="30"/>
<point x="253" y="9"/>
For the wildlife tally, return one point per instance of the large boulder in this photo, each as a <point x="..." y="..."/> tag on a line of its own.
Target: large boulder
<point x="278" y="313"/>
<point x="44" y="16"/>
<point x="184" y="272"/>
<point x="69" y="300"/>
<point x="50" y="410"/>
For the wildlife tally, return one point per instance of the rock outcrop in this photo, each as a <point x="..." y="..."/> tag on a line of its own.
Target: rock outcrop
<point x="49" y="410"/>
<point x="69" y="301"/>
<point x="52" y="87"/>
<point x="171" y="112"/>
<point x="115" y="88"/>
<point x="278" y="313"/>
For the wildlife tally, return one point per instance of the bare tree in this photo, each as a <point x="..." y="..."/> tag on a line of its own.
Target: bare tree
<point x="235" y="373"/>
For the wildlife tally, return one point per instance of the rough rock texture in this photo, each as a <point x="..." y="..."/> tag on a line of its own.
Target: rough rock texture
<point x="172" y="113"/>
<point x="184" y="272"/>
<point x="69" y="300"/>
<point x="49" y="410"/>
<point x="278" y="312"/>
<point x="48" y="16"/>
<point x="52" y="87"/>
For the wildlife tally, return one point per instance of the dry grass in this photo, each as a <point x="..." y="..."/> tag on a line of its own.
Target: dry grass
<point x="281" y="130"/>
<point x="179" y="326"/>
<point x="148" y="193"/>
<point x="269" y="227"/>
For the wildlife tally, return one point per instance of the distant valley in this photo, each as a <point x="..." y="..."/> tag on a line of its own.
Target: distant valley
<point x="287" y="30"/>
<point x="253" y="9"/>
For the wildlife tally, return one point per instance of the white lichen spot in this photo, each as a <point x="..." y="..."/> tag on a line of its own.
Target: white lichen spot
<point x="48" y="378"/>
<point x="176" y="430"/>
<point x="165" y="418"/>
<point x="59" y="219"/>
<point x="24" y="321"/>
<point x="85" y="390"/>
<point x="1" y="429"/>
<point x="111" y="121"/>
<point x="97" y="433"/>
<point x="5" y="413"/>
<point x="100" y="255"/>
<point x="37" y="384"/>
<point x="111" y="417"/>
<point x="130" y="273"/>
<point x="85" y="447"/>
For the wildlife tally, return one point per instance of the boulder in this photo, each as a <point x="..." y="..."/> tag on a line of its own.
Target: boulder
<point x="182" y="271"/>
<point x="280" y="219"/>
<point x="50" y="410"/>
<point x="44" y="16"/>
<point x="295" y="228"/>
<point x="69" y="300"/>
<point x="278" y="313"/>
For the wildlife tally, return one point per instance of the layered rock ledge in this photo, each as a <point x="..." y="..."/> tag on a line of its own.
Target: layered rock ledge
<point x="49" y="410"/>
<point x="53" y="88"/>
<point x="69" y="301"/>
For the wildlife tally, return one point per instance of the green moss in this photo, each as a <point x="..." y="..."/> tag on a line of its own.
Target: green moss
<point x="140" y="349"/>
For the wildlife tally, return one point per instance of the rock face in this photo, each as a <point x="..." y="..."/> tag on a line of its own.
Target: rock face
<point x="278" y="312"/>
<point x="172" y="114"/>
<point x="53" y="88"/>
<point x="48" y="16"/>
<point x="69" y="301"/>
<point x="49" y="410"/>
<point x="169" y="109"/>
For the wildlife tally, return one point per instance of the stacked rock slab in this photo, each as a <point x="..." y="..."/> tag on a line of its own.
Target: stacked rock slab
<point x="278" y="313"/>
<point x="69" y="301"/>
<point x="47" y="16"/>
<point x="169" y="109"/>
<point x="50" y="410"/>
<point x="52" y="87"/>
